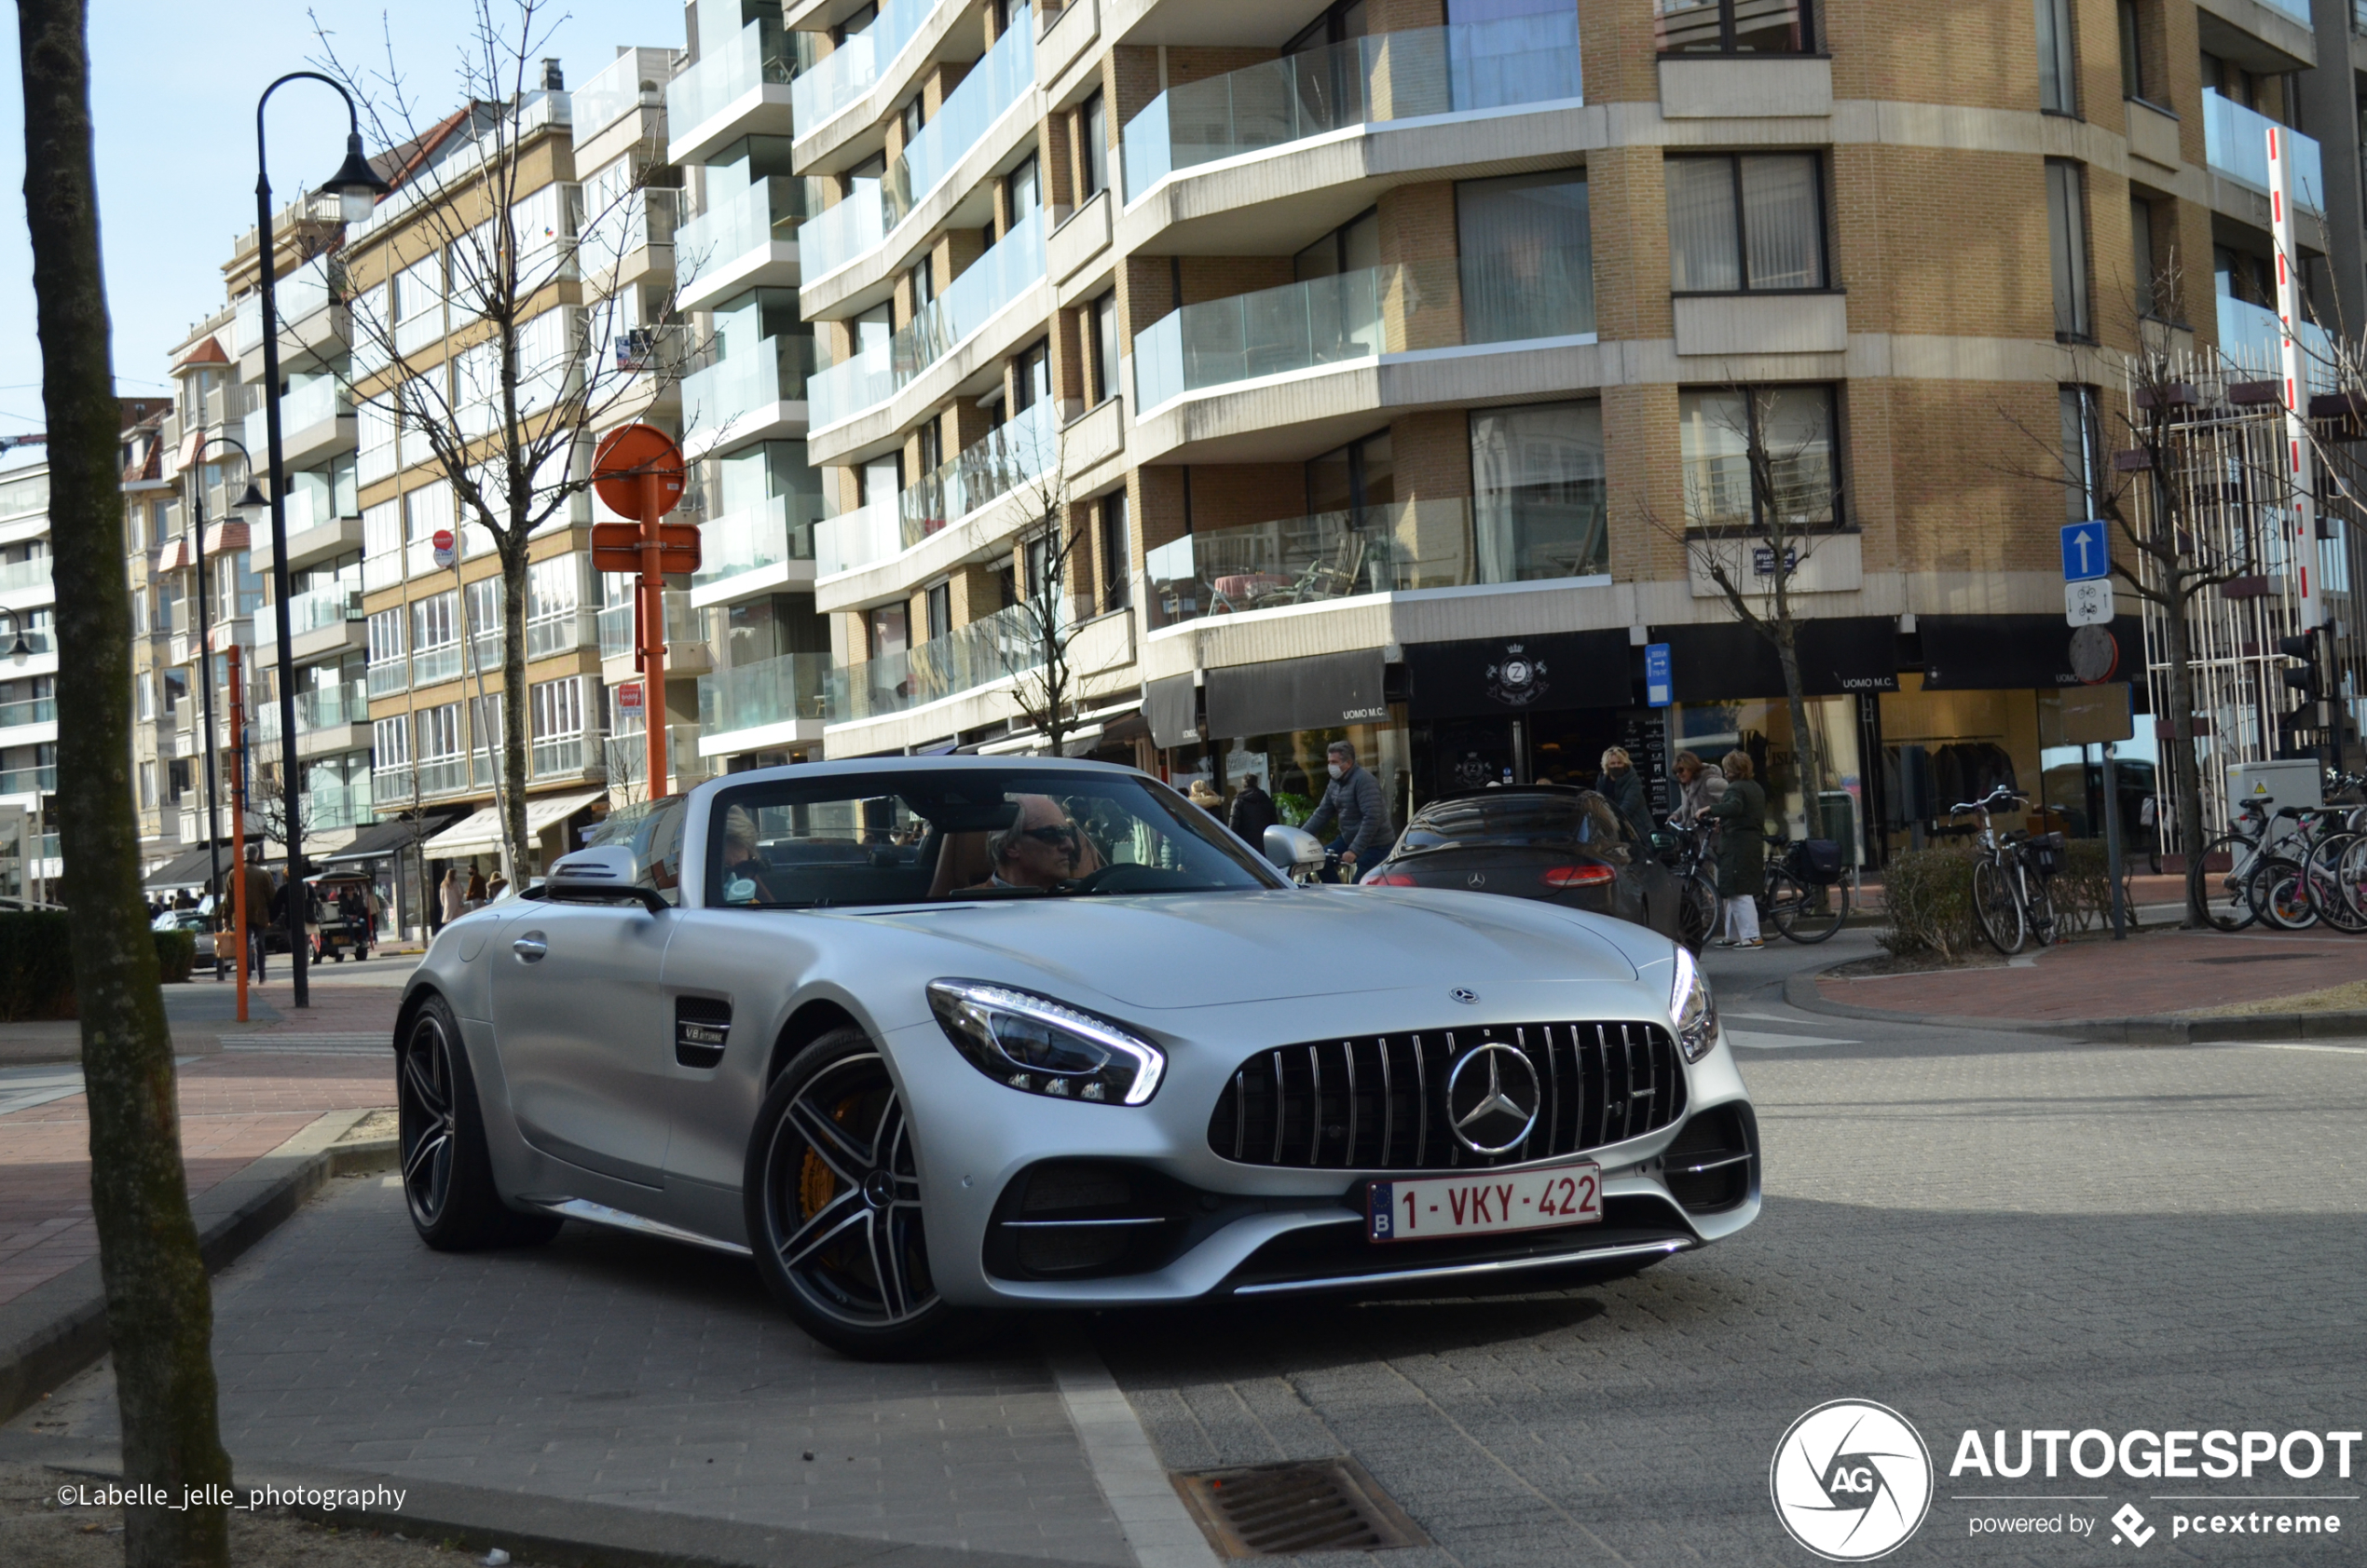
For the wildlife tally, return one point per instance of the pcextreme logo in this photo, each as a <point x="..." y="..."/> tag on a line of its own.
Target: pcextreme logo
<point x="1851" y="1480"/>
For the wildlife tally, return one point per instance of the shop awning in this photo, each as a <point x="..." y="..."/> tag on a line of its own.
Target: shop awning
<point x="1506" y="677"/>
<point x="480" y="833"/>
<point x="2014" y="653"/>
<point x="1727" y="662"/>
<point x="190" y="868"/>
<point x="1324" y="693"/>
<point x="383" y="838"/>
<point x="1173" y="706"/>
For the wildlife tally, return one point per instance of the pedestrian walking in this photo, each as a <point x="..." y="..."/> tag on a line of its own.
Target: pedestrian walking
<point x="1699" y="784"/>
<point x="1203" y="795"/>
<point x="1253" y="813"/>
<point x="1624" y="787"/>
<point x="473" y="897"/>
<point x="1740" y="814"/>
<point x="451" y="894"/>
<point x="261" y="895"/>
<point x="1351" y="802"/>
<point x="497" y="887"/>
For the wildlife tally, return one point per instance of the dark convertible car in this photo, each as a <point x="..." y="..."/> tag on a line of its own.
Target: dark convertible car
<point x="1546" y="841"/>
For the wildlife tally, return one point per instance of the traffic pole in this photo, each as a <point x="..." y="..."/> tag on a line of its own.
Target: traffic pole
<point x="237" y="752"/>
<point x="653" y="630"/>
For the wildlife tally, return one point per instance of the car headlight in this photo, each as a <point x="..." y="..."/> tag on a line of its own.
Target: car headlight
<point x="1690" y="1005"/>
<point x="1044" y="1047"/>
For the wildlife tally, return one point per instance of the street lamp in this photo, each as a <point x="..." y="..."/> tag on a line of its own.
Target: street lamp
<point x="18" y="650"/>
<point x="357" y="187"/>
<point x="251" y="502"/>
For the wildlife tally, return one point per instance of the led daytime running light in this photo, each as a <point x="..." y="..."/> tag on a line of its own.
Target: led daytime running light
<point x="1692" y="1008"/>
<point x="966" y="1010"/>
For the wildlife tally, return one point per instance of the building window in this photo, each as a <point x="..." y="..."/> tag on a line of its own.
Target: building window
<point x="2147" y="271"/>
<point x="887" y="629"/>
<point x="2082" y="454"/>
<point x="939" y="604"/>
<point x="1093" y="132"/>
<point x="1101" y="329"/>
<point x="1789" y="430"/>
<point x="1021" y="192"/>
<point x="148" y="786"/>
<point x="1352" y="247"/>
<point x="1527" y="257"/>
<point x="1353" y="479"/>
<point x="2133" y="52"/>
<point x="2067" y="244"/>
<point x="2058" y="64"/>
<point x="1736" y="27"/>
<point x="1031" y="376"/>
<point x="1117" y="553"/>
<point x="1745" y="222"/>
<point x="439" y="733"/>
<point x="179" y="777"/>
<point x="386" y="636"/>
<point x="1538" y="492"/>
<point x="434" y="621"/>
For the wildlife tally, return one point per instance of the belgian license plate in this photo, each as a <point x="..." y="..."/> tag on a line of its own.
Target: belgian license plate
<point x="1482" y="1203"/>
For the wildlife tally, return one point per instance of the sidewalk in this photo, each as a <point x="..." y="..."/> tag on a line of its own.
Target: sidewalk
<point x="2150" y="975"/>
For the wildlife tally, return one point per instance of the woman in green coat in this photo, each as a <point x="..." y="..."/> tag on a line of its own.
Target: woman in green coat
<point x="1740" y="814"/>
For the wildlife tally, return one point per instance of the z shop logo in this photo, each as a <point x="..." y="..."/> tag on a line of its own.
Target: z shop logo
<point x="1851" y="1480"/>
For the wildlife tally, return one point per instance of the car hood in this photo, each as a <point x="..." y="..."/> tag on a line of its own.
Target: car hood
<point x="1216" y="949"/>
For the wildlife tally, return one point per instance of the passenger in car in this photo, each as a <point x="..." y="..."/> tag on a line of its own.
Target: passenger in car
<point x="745" y="873"/>
<point x="1041" y="849"/>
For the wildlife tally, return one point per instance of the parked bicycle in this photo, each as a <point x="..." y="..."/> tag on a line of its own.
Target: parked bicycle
<point x="1807" y="899"/>
<point x="1688" y="854"/>
<point x="2013" y="902"/>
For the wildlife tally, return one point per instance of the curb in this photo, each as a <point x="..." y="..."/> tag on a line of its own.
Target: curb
<point x="60" y="1326"/>
<point x="2166" y="1029"/>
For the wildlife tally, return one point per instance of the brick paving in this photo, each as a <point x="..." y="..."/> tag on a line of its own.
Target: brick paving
<point x="2150" y="974"/>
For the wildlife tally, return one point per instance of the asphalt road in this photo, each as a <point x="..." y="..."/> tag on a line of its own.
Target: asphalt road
<point x="1981" y="1231"/>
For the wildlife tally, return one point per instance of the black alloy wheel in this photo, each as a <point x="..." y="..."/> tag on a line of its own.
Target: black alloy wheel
<point x="446" y="1174"/>
<point x="424" y="1118"/>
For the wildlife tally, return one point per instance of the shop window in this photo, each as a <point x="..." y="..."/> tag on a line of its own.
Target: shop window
<point x="1735" y="27"/>
<point x="1745" y="224"/>
<point x="1538" y="492"/>
<point x="1751" y="452"/>
<point x="1527" y="257"/>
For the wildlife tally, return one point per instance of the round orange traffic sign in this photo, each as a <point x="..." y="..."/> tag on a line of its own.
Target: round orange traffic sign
<point x="625" y="458"/>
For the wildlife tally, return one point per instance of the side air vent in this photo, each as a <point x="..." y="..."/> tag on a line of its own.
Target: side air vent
<point x="1709" y="1167"/>
<point x="702" y="1026"/>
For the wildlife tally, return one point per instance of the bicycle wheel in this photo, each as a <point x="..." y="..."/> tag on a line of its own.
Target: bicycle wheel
<point x="1996" y="908"/>
<point x="2323" y="872"/>
<point x="2045" y="929"/>
<point x="2351" y="875"/>
<point x="1697" y="912"/>
<point x="1803" y="911"/>
<point x="2228" y="903"/>
<point x="2280" y="893"/>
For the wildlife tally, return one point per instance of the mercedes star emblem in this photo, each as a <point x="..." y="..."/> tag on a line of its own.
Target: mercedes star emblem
<point x="1492" y="1109"/>
<point x="1464" y="995"/>
<point x="1479" y="879"/>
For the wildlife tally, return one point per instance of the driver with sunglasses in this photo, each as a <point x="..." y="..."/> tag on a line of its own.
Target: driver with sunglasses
<point x="1042" y="848"/>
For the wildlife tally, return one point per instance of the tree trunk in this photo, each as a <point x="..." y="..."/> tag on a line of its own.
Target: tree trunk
<point x="159" y="1310"/>
<point x="1804" y="746"/>
<point x="2185" y="770"/>
<point x="515" y="700"/>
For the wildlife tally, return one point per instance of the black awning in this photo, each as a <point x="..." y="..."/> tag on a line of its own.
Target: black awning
<point x="383" y="838"/>
<point x="2014" y="653"/>
<point x="190" y="868"/>
<point x="1728" y="661"/>
<point x="1492" y="676"/>
<point x="1172" y="708"/>
<point x="1326" y="692"/>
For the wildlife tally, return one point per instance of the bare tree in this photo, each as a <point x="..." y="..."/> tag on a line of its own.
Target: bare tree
<point x="542" y="358"/>
<point x="159" y="1308"/>
<point x="1046" y="681"/>
<point x="1787" y="498"/>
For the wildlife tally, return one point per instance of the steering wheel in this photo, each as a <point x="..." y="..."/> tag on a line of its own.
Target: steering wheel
<point x="1092" y="880"/>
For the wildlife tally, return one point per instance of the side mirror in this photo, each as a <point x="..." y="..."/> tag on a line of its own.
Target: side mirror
<point x="603" y="875"/>
<point x="1293" y="849"/>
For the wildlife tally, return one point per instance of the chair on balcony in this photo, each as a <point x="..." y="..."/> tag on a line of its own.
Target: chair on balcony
<point x="1335" y="575"/>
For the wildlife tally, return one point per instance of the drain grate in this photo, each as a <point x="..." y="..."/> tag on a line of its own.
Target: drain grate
<point x="1280" y="1510"/>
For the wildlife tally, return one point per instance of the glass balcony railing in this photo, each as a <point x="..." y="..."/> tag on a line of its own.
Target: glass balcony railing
<point x="395" y="786"/>
<point x="554" y="633"/>
<point x="29" y="781"/>
<point x="769" y="691"/>
<point x="617" y="625"/>
<point x="2235" y="143"/>
<point x="610" y="96"/>
<point x="442" y="775"/>
<point x="312" y="287"/>
<point x="1381" y="76"/>
<point x="18" y="576"/>
<point x="837" y="235"/>
<point x="760" y="56"/>
<point x="616" y="630"/>
<point x="326" y="806"/>
<point x="1000" y="79"/>
<point x="2252" y="340"/>
<point x="852" y="385"/>
<point x="312" y="611"/>
<point x="780" y="529"/>
<point x="1004" y="644"/>
<point x="327" y="707"/>
<point x="1309" y="560"/>
<point x="388" y="676"/>
<point x="993" y="282"/>
<point x="2297" y="10"/>
<point x="31" y="709"/>
<point x="777" y="370"/>
<point x="555" y="755"/>
<point x="430" y="665"/>
<point x="855" y="538"/>
<point x="1299" y="326"/>
<point x="850" y="70"/>
<point x="1022" y="450"/>
<point x="767" y="213"/>
<point x="306" y="404"/>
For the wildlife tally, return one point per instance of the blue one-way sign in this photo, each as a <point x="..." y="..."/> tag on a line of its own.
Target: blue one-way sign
<point x="2086" y="550"/>
<point x="1659" y="688"/>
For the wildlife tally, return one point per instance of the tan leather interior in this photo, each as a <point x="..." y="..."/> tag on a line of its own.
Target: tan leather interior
<point x="961" y="862"/>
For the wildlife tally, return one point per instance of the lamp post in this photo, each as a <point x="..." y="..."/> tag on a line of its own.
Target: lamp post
<point x="252" y="501"/>
<point x="357" y="188"/>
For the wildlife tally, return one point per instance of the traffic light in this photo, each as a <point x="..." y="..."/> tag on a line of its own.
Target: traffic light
<point x="2308" y="684"/>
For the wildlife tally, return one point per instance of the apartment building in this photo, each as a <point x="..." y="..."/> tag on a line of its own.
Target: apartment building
<point x="147" y="518"/>
<point x="1392" y="364"/>
<point x="28" y="687"/>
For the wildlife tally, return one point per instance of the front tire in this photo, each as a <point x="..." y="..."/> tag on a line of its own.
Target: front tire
<point x="1803" y="911"/>
<point x="1994" y="906"/>
<point x="446" y="1174"/>
<point x="834" y="1215"/>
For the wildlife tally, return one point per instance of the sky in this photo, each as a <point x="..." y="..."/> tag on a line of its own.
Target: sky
<point x="173" y="87"/>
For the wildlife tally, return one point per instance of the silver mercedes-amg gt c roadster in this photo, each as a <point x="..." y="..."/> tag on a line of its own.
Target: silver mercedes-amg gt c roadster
<point x="931" y="1037"/>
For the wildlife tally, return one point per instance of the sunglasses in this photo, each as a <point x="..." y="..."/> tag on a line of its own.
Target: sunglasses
<point x="1063" y="835"/>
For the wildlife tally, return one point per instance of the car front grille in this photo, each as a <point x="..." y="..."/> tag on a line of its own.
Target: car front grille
<point x="1378" y="1102"/>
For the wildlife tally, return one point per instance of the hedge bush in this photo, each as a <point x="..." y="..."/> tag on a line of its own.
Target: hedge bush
<point x="37" y="964"/>
<point x="1927" y="899"/>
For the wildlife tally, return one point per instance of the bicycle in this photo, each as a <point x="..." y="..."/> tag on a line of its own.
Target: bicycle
<point x="1688" y="857"/>
<point x="2239" y="858"/>
<point x="1806" y="899"/>
<point x="2012" y="901"/>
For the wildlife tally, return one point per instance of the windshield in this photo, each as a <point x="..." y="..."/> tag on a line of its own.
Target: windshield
<point x="1580" y="817"/>
<point x="853" y="840"/>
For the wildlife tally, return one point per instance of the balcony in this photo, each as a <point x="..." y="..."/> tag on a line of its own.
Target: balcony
<point x="2251" y="339"/>
<point x="838" y="235"/>
<point x="844" y="75"/>
<point x="773" y="692"/>
<point x="554" y="756"/>
<point x="2235" y="144"/>
<point x="748" y="551"/>
<point x="316" y="423"/>
<point x="325" y="806"/>
<point x="753" y="394"/>
<point x="855" y="538"/>
<point x="313" y="329"/>
<point x="1298" y="327"/>
<point x="1312" y="559"/>
<point x="748" y="240"/>
<point x="635" y="80"/>
<point x="1000" y="79"/>
<point x="431" y="666"/>
<point x="29" y="710"/>
<point x="446" y="775"/>
<point x="685" y="642"/>
<point x="1006" y="458"/>
<point x="558" y="633"/>
<point x="388" y="676"/>
<point x="27" y="583"/>
<point x="1004" y="644"/>
<point x="314" y="611"/>
<point x="741" y="90"/>
<point x="1381" y="77"/>
<point x="333" y="709"/>
<point x="29" y="781"/>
